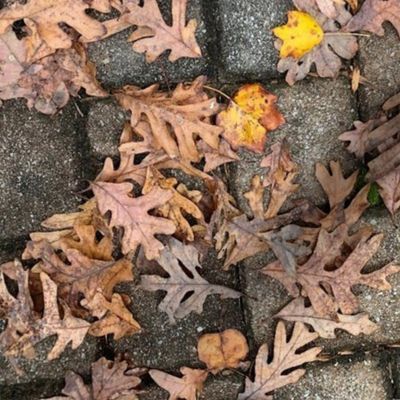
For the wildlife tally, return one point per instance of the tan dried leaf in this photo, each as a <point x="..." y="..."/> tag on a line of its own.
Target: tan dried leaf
<point x="114" y="317"/>
<point x="49" y="14"/>
<point x="280" y="176"/>
<point x="272" y="375"/>
<point x="176" y="120"/>
<point x="325" y="326"/>
<point x="110" y="380"/>
<point x="187" y="387"/>
<point x="132" y="214"/>
<point x="336" y="187"/>
<point x="81" y="276"/>
<point x="329" y="286"/>
<point x="25" y="328"/>
<point x="179" y="206"/>
<point x="222" y="350"/>
<point x="390" y="190"/>
<point x="180" y="283"/>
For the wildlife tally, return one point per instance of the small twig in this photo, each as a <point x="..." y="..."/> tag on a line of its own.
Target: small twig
<point x="346" y="34"/>
<point x="218" y="91"/>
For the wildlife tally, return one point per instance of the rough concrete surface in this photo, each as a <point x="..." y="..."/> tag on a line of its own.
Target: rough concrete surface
<point x="45" y="161"/>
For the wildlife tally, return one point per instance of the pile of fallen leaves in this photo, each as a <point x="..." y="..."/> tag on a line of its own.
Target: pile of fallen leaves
<point x="138" y="211"/>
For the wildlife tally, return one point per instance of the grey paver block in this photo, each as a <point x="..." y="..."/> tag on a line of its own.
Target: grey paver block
<point x="341" y="380"/>
<point x="379" y="58"/>
<point x="104" y="126"/>
<point x="118" y="64"/>
<point x="40" y="166"/>
<point x="247" y="43"/>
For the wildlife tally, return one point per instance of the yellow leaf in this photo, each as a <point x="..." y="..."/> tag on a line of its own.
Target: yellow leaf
<point x="249" y="117"/>
<point x="300" y="35"/>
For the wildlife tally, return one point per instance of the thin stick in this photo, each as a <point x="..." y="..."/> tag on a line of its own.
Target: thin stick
<point x="346" y="34"/>
<point x="218" y="91"/>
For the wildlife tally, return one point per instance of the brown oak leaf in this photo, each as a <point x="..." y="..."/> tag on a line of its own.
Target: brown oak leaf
<point x="327" y="55"/>
<point x="325" y="326"/>
<point x="390" y="190"/>
<point x="222" y="350"/>
<point x="49" y="14"/>
<point x="329" y="286"/>
<point x="25" y="327"/>
<point x="132" y="214"/>
<point x="114" y="317"/>
<point x="273" y="374"/>
<point x="181" y="204"/>
<point x="187" y="387"/>
<point x="176" y="120"/>
<point x="373" y="14"/>
<point x="81" y="275"/>
<point x="110" y="380"/>
<point x="181" y="283"/>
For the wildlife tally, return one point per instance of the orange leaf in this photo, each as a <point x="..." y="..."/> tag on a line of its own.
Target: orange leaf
<point x="249" y="117"/>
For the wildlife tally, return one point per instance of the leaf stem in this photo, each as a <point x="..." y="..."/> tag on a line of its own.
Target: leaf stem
<point x="346" y="34"/>
<point x="218" y="91"/>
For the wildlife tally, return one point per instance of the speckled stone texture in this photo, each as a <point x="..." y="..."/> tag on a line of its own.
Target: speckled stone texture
<point x="45" y="161"/>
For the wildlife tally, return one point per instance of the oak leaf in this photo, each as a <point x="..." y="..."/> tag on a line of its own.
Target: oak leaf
<point x="181" y="283"/>
<point x="81" y="275"/>
<point x="325" y="326"/>
<point x="390" y="190"/>
<point x="132" y="214"/>
<point x="222" y="350"/>
<point x="25" y="328"/>
<point x="373" y="14"/>
<point x="215" y="158"/>
<point x="110" y="380"/>
<point x="176" y="120"/>
<point x="48" y="14"/>
<point x="329" y="286"/>
<point x="273" y="374"/>
<point x="299" y="36"/>
<point x="327" y="55"/>
<point x="180" y="205"/>
<point x="250" y="115"/>
<point x="187" y="387"/>
<point x="114" y="317"/>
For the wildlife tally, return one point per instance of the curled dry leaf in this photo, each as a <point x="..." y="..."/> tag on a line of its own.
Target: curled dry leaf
<point x="187" y="387"/>
<point x="176" y="120"/>
<point x="251" y="114"/>
<point x="326" y="56"/>
<point x="114" y="317"/>
<point x="25" y="328"/>
<point x="110" y="380"/>
<point x="222" y="350"/>
<point x="49" y="14"/>
<point x="180" y="205"/>
<point x="373" y="14"/>
<point x="329" y="286"/>
<point x="181" y="283"/>
<point x="273" y="374"/>
<point x="81" y="275"/>
<point x="132" y="214"/>
<point x="325" y="326"/>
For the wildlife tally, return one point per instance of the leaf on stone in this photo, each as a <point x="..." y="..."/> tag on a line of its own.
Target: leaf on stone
<point x="49" y="14"/>
<point x="187" y="387"/>
<point x="250" y="115"/>
<point x="25" y="328"/>
<point x="178" y="120"/>
<point x="215" y="158"/>
<point x="114" y="317"/>
<point x="390" y="190"/>
<point x="182" y="282"/>
<point x="273" y="374"/>
<point x="334" y="184"/>
<point x="325" y="326"/>
<point x="327" y="55"/>
<point x="48" y="84"/>
<point x="81" y="276"/>
<point x="299" y="36"/>
<point x="179" y="207"/>
<point x="328" y="285"/>
<point x="110" y="380"/>
<point x="282" y="171"/>
<point x="132" y="214"/>
<point x="373" y="14"/>
<point x="222" y="350"/>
